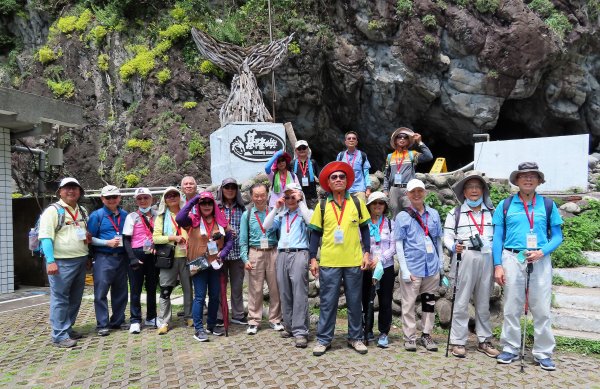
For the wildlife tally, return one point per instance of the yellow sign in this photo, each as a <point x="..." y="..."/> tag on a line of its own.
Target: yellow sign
<point x="439" y="166"/>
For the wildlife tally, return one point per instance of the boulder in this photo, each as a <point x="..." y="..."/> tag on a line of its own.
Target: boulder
<point x="571" y="208"/>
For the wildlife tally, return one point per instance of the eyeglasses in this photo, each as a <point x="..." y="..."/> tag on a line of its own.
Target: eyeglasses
<point x="171" y="195"/>
<point x="402" y="136"/>
<point x="288" y="197"/>
<point x="205" y="203"/>
<point x="529" y="176"/>
<point x="473" y="187"/>
<point x="335" y="177"/>
<point x="351" y="138"/>
<point x="230" y="186"/>
<point x="302" y="148"/>
<point x="111" y="197"/>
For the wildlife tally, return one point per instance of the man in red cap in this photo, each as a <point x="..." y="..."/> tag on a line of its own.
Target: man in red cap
<point x="336" y="223"/>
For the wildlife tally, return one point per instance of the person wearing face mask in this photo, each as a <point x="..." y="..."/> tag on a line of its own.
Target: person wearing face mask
<point x="468" y="231"/>
<point x="307" y="170"/>
<point x="137" y="239"/>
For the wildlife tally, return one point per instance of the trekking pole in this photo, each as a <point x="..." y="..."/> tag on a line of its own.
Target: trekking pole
<point x="458" y="259"/>
<point x="529" y="271"/>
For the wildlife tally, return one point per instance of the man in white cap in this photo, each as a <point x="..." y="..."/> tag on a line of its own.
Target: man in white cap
<point x="418" y="234"/>
<point x="137" y="234"/>
<point x="110" y="260"/>
<point x="291" y="217"/>
<point x="307" y="170"/>
<point x="527" y="228"/>
<point x="62" y="232"/>
<point x="468" y="231"/>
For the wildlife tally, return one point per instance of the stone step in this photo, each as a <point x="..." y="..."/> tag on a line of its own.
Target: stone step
<point x="576" y="334"/>
<point x="588" y="276"/>
<point x="587" y="299"/>
<point x="592" y="256"/>
<point x="576" y="320"/>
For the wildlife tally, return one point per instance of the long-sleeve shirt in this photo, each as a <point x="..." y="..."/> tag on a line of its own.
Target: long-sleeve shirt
<point x="386" y="246"/>
<point x="160" y="237"/>
<point x="466" y="227"/>
<point x="302" y="171"/>
<point x="362" y="180"/>
<point x="297" y="221"/>
<point x="234" y="215"/>
<point x="250" y="237"/>
<point x="404" y="165"/>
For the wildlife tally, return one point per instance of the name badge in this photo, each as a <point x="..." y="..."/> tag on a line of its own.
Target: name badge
<point x="338" y="236"/>
<point x="182" y="246"/>
<point x="304" y="181"/>
<point x="397" y="178"/>
<point x="81" y="235"/>
<point x="532" y="241"/>
<point x="212" y="247"/>
<point x="264" y="242"/>
<point x="428" y="245"/>
<point x="147" y="245"/>
<point x="120" y="240"/>
<point x="284" y="243"/>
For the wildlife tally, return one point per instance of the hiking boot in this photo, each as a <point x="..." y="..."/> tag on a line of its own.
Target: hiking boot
<point x="320" y="349"/>
<point x="134" y="328"/>
<point x="220" y="323"/>
<point x="277" y="326"/>
<point x="65" y="343"/>
<point x="506" y="358"/>
<point x="216" y="331"/>
<point x="162" y="330"/>
<point x="410" y="345"/>
<point x="383" y="342"/>
<point x="459" y="351"/>
<point x="358" y="346"/>
<point x="252" y="330"/>
<point x="103" y="332"/>
<point x="488" y="349"/>
<point x="243" y="321"/>
<point x="546" y="363"/>
<point x="286" y="334"/>
<point x="201" y="336"/>
<point x="189" y="322"/>
<point x="75" y="335"/>
<point x="428" y="343"/>
<point x="300" y="341"/>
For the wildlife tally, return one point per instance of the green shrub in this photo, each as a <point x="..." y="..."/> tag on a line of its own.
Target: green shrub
<point x="226" y="31"/>
<point x="131" y="180"/>
<point x="61" y="88"/>
<point x="161" y="48"/>
<point x="207" y="67"/>
<point x="429" y="21"/>
<point x="66" y="24"/>
<point x="499" y="192"/>
<point x="53" y="72"/>
<point x="559" y="24"/>
<point x="178" y="13"/>
<point x="190" y="105"/>
<point x="142" y="64"/>
<point x="559" y="281"/>
<point x="175" y="32"/>
<point x="543" y="8"/>
<point x="429" y="40"/>
<point x="7" y="7"/>
<point x="163" y="76"/>
<point x="294" y="48"/>
<point x="493" y="73"/>
<point x="404" y="7"/>
<point x="462" y="3"/>
<point x="97" y="34"/>
<point x="103" y="62"/>
<point x="145" y="145"/>
<point x="374" y="25"/>
<point x="433" y="200"/>
<point x="84" y="20"/>
<point x="197" y="146"/>
<point x="46" y="55"/>
<point x="166" y="164"/>
<point x="487" y="6"/>
<point x="580" y="233"/>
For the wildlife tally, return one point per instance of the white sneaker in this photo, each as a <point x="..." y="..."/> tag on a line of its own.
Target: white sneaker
<point x="252" y="330"/>
<point x="277" y="326"/>
<point x="134" y="328"/>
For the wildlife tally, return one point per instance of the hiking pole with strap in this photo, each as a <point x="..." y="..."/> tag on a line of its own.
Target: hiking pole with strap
<point x="458" y="259"/>
<point x="529" y="271"/>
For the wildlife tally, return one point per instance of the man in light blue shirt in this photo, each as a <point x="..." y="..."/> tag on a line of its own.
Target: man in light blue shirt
<point x="291" y="217"/>
<point x="361" y="187"/>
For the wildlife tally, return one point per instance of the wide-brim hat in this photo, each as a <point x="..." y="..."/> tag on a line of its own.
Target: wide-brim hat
<point x="69" y="181"/>
<point x="334" y="167"/>
<point x="525" y="167"/>
<point x="292" y="186"/>
<point x="402" y="130"/>
<point x="375" y="196"/>
<point x="459" y="187"/>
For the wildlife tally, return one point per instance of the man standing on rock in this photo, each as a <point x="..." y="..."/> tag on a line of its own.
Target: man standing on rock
<point x="469" y="231"/>
<point x="361" y="187"/>
<point x="336" y="223"/>
<point x="527" y="228"/>
<point x="418" y="232"/>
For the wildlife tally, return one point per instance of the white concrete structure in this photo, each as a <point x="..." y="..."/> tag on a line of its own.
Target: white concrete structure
<point x="6" y="231"/>
<point x="563" y="159"/>
<point x="240" y="150"/>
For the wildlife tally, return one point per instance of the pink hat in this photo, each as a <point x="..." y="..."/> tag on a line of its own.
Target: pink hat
<point x="218" y="213"/>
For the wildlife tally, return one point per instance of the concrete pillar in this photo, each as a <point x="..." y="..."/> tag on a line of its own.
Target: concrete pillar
<point x="7" y="277"/>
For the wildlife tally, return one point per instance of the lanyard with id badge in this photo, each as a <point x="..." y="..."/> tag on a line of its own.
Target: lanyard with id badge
<point x="304" y="170"/>
<point x="264" y="240"/>
<point x="531" y="237"/>
<point x="212" y="247"/>
<point x="425" y="227"/>
<point x="479" y="241"/>
<point x="284" y="242"/>
<point x="398" y="175"/>
<point x="79" y="230"/>
<point x="338" y="234"/>
<point x="115" y="226"/>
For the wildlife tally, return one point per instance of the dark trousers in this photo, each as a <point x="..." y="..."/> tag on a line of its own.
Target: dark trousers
<point x="206" y="279"/>
<point x="110" y="273"/>
<point x="384" y="295"/>
<point x="148" y="272"/>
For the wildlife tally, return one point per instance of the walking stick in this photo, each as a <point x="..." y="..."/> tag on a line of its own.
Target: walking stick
<point x="458" y="259"/>
<point x="529" y="271"/>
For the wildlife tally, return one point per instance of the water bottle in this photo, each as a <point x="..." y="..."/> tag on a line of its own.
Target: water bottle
<point x="33" y="240"/>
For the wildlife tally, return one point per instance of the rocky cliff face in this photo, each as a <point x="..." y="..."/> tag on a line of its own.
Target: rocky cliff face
<point x="448" y="70"/>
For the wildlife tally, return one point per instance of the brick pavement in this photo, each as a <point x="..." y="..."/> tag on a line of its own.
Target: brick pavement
<point x="121" y="360"/>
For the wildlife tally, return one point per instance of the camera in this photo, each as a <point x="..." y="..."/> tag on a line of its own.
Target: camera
<point x="476" y="242"/>
<point x="217" y="236"/>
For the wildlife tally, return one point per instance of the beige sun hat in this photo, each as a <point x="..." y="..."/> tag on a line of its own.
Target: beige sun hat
<point x="402" y="130"/>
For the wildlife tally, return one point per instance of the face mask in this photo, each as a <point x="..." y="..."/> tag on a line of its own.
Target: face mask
<point x="474" y="203"/>
<point x="145" y="210"/>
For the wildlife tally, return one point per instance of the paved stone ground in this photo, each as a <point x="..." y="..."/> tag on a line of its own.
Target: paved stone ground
<point x="121" y="360"/>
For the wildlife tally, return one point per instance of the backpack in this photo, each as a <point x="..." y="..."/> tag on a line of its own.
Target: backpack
<point x="35" y="245"/>
<point x="548" y="202"/>
<point x="323" y="204"/>
<point x="413" y="214"/>
<point x="363" y="155"/>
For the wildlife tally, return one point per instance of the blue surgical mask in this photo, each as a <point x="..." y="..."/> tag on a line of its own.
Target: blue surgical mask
<point x="145" y="210"/>
<point x="474" y="203"/>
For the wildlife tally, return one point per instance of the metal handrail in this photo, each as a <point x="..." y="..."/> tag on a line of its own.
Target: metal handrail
<point x="127" y="192"/>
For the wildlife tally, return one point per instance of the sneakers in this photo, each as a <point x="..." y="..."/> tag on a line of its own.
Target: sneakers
<point x="65" y="343"/>
<point x="507" y="358"/>
<point x="220" y="323"/>
<point x="300" y="341"/>
<point x="459" y="351"/>
<point x="383" y="342"/>
<point x="243" y="321"/>
<point x="286" y="334"/>
<point x="546" y="364"/>
<point x="277" y="326"/>
<point x="201" y="336"/>
<point x="252" y="330"/>
<point x="134" y="328"/>
<point x="216" y="331"/>
<point x="428" y="343"/>
<point x="410" y="345"/>
<point x="163" y="329"/>
<point x="358" y="346"/>
<point x="152" y="323"/>
<point x="320" y="349"/>
<point x="103" y="332"/>
<point x="189" y="322"/>
<point x="488" y="349"/>
<point x="75" y="335"/>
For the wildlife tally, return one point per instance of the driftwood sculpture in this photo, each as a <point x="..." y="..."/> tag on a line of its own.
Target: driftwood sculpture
<point x="245" y="102"/>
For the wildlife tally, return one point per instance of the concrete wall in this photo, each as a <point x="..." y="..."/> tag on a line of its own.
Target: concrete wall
<point x="6" y="222"/>
<point x="29" y="270"/>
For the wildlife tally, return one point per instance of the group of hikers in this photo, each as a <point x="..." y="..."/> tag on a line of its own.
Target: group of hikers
<point x="201" y="241"/>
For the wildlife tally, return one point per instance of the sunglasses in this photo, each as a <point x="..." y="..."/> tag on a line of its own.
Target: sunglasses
<point x="335" y="177"/>
<point x="205" y="203"/>
<point x="111" y="197"/>
<point x="302" y="148"/>
<point x="402" y="136"/>
<point x="230" y="186"/>
<point x="171" y="195"/>
<point x="350" y="138"/>
<point x="288" y="197"/>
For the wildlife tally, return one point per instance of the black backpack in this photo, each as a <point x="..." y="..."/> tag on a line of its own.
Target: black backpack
<point x="323" y="204"/>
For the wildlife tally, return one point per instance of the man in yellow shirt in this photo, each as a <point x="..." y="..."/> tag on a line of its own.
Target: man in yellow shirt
<point x="62" y="233"/>
<point x="336" y="223"/>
